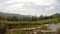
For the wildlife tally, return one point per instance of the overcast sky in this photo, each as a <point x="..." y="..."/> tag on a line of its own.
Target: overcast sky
<point x="30" y="7"/>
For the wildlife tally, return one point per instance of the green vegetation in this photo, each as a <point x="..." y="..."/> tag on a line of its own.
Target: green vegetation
<point x="16" y="22"/>
<point x="14" y="17"/>
<point x="15" y="32"/>
<point x="44" y="27"/>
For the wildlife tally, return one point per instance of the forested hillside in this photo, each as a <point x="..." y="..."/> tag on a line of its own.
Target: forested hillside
<point x="17" y="17"/>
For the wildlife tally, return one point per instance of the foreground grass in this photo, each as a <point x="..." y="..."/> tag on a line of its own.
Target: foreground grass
<point x="21" y="24"/>
<point x="32" y="22"/>
<point x="15" y="32"/>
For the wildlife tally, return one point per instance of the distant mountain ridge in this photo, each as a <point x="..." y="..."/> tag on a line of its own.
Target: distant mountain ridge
<point x="10" y="14"/>
<point x="19" y="15"/>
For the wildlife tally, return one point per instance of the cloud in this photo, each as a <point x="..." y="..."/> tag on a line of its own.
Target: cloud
<point x="37" y="2"/>
<point x="29" y="7"/>
<point x="57" y="7"/>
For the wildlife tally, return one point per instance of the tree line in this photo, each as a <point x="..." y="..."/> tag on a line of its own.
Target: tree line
<point x="32" y="18"/>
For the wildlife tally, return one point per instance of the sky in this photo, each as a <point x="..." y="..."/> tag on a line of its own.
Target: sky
<point x="30" y="7"/>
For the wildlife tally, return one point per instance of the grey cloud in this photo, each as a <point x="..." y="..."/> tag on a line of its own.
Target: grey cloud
<point x="35" y="7"/>
<point x="57" y="7"/>
<point x="2" y="1"/>
<point x="31" y="5"/>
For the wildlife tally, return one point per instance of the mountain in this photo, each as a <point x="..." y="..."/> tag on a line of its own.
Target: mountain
<point x="56" y="15"/>
<point x="10" y="14"/>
